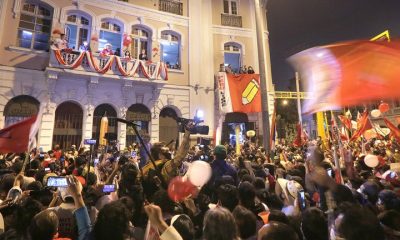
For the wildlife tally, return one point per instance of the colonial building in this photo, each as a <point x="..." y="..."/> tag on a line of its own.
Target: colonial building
<point x="184" y="43"/>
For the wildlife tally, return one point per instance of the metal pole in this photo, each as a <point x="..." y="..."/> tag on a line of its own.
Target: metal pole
<point x="260" y="29"/>
<point x="298" y="98"/>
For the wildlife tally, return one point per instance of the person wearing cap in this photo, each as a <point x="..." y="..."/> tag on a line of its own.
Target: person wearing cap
<point x="287" y="191"/>
<point x="61" y="43"/>
<point x="220" y="167"/>
<point x="107" y="50"/>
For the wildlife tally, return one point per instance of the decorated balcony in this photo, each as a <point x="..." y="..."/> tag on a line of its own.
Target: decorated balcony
<point x="108" y="65"/>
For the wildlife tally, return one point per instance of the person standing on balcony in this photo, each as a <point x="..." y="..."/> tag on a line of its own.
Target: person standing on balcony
<point x="143" y="55"/>
<point x="107" y="50"/>
<point x="61" y="43"/>
<point x="84" y="47"/>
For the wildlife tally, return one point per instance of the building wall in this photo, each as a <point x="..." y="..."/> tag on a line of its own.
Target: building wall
<point x="29" y="72"/>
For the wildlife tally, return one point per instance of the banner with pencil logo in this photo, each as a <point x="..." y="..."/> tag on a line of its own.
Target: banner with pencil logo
<point x="239" y="92"/>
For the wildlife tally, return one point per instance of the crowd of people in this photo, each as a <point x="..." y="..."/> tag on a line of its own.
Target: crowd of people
<point x="292" y="194"/>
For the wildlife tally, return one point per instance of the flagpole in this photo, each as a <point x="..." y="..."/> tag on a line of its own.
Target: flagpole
<point x="340" y="145"/>
<point x="260" y="30"/>
<point x="298" y="97"/>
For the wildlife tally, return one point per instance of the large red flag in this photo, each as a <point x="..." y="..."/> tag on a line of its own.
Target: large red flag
<point x="239" y="92"/>
<point x="15" y="138"/>
<point x="362" y="125"/>
<point x="394" y="131"/>
<point x="349" y="73"/>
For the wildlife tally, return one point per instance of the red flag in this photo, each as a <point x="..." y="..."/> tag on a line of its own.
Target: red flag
<point x="394" y="131"/>
<point x="301" y="137"/>
<point x="362" y="125"/>
<point x="349" y="73"/>
<point x="15" y="138"/>
<point x="245" y="92"/>
<point x="345" y="121"/>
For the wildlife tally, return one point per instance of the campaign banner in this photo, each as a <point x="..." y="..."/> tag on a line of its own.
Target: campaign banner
<point x="239" y="92"/>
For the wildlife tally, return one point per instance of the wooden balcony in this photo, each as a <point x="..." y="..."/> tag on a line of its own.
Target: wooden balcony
<point x="171" y="6"/>
<point x="231" y="20"/>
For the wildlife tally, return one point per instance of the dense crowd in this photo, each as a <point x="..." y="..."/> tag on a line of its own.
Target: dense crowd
<point x="295" y="193"/>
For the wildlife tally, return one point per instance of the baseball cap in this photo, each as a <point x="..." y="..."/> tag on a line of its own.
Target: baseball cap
<point x="220" y="150"/>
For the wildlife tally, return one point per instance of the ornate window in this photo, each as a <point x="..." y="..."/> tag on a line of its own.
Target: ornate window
<point x="77" y="29"/>
<point x="34" y="26"/>
<point x="231" y="7"/>
<point x="141" y="39"/>
<point x="111" y="33"/>
<point x="233" y="56"/>
<point x="170" y="49"/>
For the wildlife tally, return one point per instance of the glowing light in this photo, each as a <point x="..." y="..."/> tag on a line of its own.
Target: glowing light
<point x="103" y="40"/>
<point x="200" y="114"/>
<point x="285" y="102"/>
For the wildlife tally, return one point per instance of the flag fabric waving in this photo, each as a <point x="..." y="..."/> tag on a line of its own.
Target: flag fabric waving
<point x="15" y="138"/>
<point x="239" y="92"/>
<point x="349" y="73"/>
<point x="363" y="124"/>
<point x="394" y="131"/>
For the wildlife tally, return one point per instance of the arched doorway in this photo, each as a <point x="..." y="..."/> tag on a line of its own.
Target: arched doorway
<point x="231" y="121"/>
<point x="168" y="125"/>
<point x="68" y="125"/>
<point x="20" y="108"/>
<point x="99" y="112"/>
<point x="141" y="115"/>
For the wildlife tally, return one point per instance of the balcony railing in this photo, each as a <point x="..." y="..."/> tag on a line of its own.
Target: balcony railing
<point x="231" y="20"/>
<point x="118" y="66"/>
<point x="171" y="6"/>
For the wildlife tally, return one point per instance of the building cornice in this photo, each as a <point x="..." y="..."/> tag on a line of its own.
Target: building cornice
<point x="233" y="31"/>
<point x="138" y="11"/>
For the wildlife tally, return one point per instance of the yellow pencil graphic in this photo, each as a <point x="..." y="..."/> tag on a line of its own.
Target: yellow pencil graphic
<point x="250" y="92"/>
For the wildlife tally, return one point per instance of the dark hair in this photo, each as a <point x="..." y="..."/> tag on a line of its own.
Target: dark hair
<point x="259" y="183"/>
<point x="247" y="194"/>
<point x="161" y="199"/>
<point x="390" y="219"/>
<point x="44" y="225"/>
<point x="314" y="224"/>
<point x="35" y="186"/>
<point x="228" y="196"/>
<point x="389" y="200"/>
<point x="274" y="202"/>
<point x="25" y="212"/>
<point x="214" y="219"/>
<point x="112" y="222"/>
<point x="246" y="221"/>
<point x="184" y="225"/>
<point x="360" y="223"/>
<point x="277" y="231"/>
<point x="278" y="216"/>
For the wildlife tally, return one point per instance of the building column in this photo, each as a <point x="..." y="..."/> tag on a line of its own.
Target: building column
<point x="122" y="127"/>
<point x="45" y="134"/>
<point x="201" y="67"/>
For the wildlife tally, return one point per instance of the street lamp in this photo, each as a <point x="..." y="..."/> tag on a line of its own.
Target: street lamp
<point x="285" y="102"/>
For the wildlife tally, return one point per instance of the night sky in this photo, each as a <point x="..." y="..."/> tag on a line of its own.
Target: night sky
<point x="295" y="25"/>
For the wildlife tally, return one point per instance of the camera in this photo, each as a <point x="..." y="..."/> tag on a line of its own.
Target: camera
<point x="197" y="129"/>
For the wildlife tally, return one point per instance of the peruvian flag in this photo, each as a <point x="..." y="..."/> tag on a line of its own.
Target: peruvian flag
<point x="239" y="92"/>
<point x="394" y="131"/>
<point x="16" y="138"/>
<point x="349" y="73"/>
<point x="363" y="124"/>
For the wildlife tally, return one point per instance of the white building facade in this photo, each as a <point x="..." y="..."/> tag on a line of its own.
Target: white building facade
<point x="190" y="37"/>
